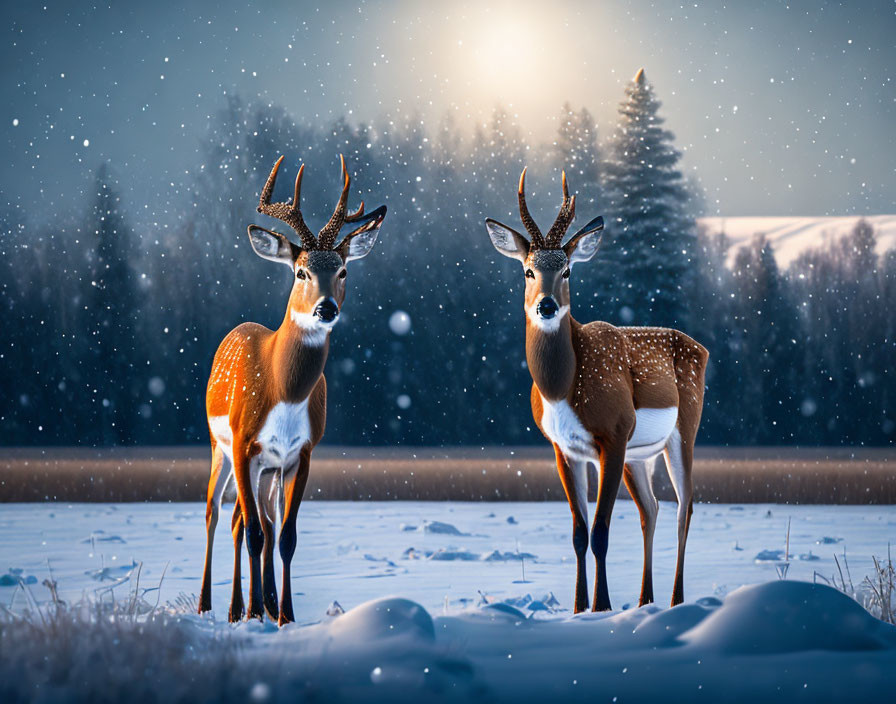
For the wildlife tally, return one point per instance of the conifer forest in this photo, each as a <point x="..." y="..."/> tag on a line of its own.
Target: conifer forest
<point x="111" y="317"/>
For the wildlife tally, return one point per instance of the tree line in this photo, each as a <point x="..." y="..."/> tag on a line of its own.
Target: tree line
<point x="112" y="320"/>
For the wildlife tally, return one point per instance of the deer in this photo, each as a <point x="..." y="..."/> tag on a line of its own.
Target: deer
<point x="267" y="396"/>
<point x="615" y="398"/>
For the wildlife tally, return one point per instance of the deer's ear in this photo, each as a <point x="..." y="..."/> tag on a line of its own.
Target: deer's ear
<point x="583" y="245"/>
<point x="272" y="245"/>
<point x="507" y="241"/>
<point x="358" y="243"/>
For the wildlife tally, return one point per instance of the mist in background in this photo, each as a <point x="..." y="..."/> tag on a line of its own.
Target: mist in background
<point x="780" y="109"/>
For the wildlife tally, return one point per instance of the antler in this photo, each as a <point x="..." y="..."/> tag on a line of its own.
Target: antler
<point x="327" y="235"/>
<point x="564" y="218"/>
<point x="286" y="212"/>
<point x="528" y="222"/>
<point x="291" y="215"/>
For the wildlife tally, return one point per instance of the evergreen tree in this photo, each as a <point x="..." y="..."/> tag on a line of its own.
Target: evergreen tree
<point x="887" y="353"/>
<point x="110" y="312"/>
<point x="650" y="243"/>
<point x="802" y="356"/>
<point x="766" y="338"/>
<point x="712" y="323"/>
<point x="577" y="151"/>
<point x="844" y="303"/>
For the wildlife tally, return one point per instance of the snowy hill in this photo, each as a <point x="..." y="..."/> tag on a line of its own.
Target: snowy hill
<point x="791" y="236"/>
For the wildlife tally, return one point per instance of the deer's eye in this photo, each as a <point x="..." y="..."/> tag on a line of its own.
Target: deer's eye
<point x="566" y="274"/>
<point x="342" y="274"/>
<point x="300" y="274"/>
<point x="530" y="274"/>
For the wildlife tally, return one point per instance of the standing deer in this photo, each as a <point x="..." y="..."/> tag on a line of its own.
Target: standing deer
<point x="617" y="397"/>
<point x="266" y="397"/>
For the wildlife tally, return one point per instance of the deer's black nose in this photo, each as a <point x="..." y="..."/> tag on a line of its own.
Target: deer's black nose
<point x="547" y="307"/>
<point x="326" y="310"/>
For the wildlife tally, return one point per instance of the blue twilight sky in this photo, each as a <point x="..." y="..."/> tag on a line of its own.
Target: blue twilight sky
<point x="782" y="109"/>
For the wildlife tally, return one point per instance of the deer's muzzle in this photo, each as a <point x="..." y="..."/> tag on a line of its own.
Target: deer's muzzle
<point x="327" y="310"/>
<point x="547" y="307"/>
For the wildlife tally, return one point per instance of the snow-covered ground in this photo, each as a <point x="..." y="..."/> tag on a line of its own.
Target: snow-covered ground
<point x="436" y="638"/>
<point x="438" y="554"/>
<point x="791" y="236"/>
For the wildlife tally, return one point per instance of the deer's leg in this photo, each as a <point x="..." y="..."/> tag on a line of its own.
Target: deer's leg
<point x="574" y="476"/>
<point x="216" y="482"/>
<point x="268" y="514"/>
<point x="637" y="481"/>
<point x="679" y="459"/>
<point x="612" y="463"/>
<point x="246" y="470"/>
<point x="237" y="608"/>
<point x="294" y="482"/>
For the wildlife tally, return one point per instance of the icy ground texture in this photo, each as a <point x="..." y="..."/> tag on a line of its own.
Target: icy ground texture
<point x="441" y="555"/>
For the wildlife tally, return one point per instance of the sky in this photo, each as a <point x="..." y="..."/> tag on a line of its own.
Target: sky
<point x="780" y="109"/>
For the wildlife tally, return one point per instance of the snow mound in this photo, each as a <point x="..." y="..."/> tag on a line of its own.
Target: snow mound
<point x="439" y="528"/>
<point x="112" y="572"/>
<point x="788" y="617"/>
<point x="828" y="540"/>
<point x="384" y="618"/>
<point x="664" y="628"/>
<point x="16" y="576"/>
<point x="498" y="556"/>
<point x="769" y="556"/>
<point x="432" y="527"/>
<point x="451" y="554"/>
<point x="458" y="554"/>
<point x="100" y="536"/>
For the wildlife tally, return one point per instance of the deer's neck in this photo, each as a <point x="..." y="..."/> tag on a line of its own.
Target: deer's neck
<point x="297" y="358"/>
<point x="551" y="358"/>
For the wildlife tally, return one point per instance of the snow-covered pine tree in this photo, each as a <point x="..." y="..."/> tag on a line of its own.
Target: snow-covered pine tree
<point x="650" y="243"/>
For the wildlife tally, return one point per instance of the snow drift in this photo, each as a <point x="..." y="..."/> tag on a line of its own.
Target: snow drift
<point x="781" y="641"/>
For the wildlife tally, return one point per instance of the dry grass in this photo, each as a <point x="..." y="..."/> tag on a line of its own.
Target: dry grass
<point x="106" y="650"/>
<point x="876" y="592"/>
<point x="721" y="475"/>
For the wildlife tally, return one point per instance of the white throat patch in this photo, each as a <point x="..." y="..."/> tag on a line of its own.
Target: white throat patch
<point x="549" y="325"/>
<point x="315" y="329"/>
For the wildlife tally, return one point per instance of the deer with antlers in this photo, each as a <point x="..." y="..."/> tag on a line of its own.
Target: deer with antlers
<point x="604" y="395"/>
<point x="266" y="397"/>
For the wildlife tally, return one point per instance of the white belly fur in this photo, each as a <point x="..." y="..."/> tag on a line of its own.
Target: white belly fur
<point x="285" y="431"/>
<point x="653" y="426"/>
<point x="220" y="428"/>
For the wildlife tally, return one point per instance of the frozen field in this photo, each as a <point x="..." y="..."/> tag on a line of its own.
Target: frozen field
<point x="438" y="554"/>
<point x="784" y="641"/>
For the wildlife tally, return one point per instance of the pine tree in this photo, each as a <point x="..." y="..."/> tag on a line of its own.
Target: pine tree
<point x="766" y="337"/>
<point x="577" y="151"/>
<point x="650" y="243"/>
<point x="110" y="311"/>
<point x="712" y="313"/>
